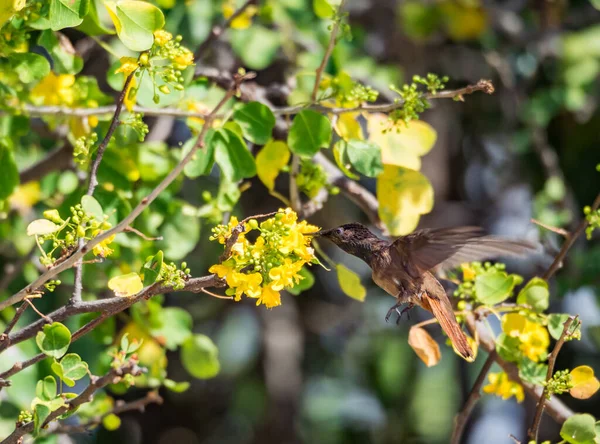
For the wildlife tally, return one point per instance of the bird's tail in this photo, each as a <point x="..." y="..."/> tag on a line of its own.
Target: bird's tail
<point x="434" y="299"/>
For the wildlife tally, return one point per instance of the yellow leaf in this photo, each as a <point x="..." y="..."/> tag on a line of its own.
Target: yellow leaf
<point x="270" y="160"/>
<point x="403" y="148"/>
<point x="585" y="384"/>
<point x="403" y="196"/>
<point x="513" y="324"/>
<point x="464" y="21"/>
<point x="350" y="283"/>
<point x="348" y="127"/>
<point x="126" y="284"/>
<point x="130" y="95"/>
<point x="424" y="346"/>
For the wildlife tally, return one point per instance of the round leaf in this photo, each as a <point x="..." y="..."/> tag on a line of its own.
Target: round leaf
<point x="54" y="339"/>
<point x="126" y="284"/>
<point x="424" y="346"/>
<point x="270" y="160"/>
<point x="67" y="13"/>
<point x="135" y="22"/>
<point x="232" y="155"/>
<point x="493" y="288"/>
<point x="70" y="368"/>
<point x="175" y="328"/>
<point x="199" y="356"/>
<point x="556" y="324"/>
<point x="403" y="196"/>
<point x="350" y="283"/>
<point x="256" y="120"/>
<point x="203" y="160"/>
<point x="257" y="46"/>
<point x="365" y="157"/>
<point x="45" y="389"/>
<point x="579" y="429"/>
<point x="310" y="131"/>
<point x="40" y="227"/>
<point x="29" y="67"/>
<point x="151" y="269"/>
<point x="535" y="294"/>
<point x="340" y="154"/>
<point x="585" y="384"/>
<point x="91" y="206"/>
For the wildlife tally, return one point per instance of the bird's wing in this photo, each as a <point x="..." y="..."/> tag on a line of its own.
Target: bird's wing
<point x="447" y="248"/>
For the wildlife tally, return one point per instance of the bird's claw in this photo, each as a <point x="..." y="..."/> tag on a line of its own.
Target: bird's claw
<point x="396" y="308"/>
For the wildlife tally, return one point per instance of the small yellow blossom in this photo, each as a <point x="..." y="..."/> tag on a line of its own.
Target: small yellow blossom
<point x="501" y="385"/>
<point x="269" y="298"/>
<point x="102" y="249"/>
<point x="161" y="37"/>
<point x="54" y="90"/>
<point x="128" y="65"/>
<point x="183" y="60"/>
<point x="243" y="20"/>
<point x="285" y="275"/>
<point x="535" y="341"/>
<point x="220" y="270"/>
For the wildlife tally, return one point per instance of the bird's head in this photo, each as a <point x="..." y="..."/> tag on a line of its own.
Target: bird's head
<point x="353" y="238"/>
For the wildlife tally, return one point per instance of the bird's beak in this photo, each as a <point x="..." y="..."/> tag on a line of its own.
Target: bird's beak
<point x="321" y="233"/>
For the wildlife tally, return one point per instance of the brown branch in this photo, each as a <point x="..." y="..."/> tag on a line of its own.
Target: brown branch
<point x="569" y="243"/>
<point x="461" y="419"/>
<point x="121" y="406"/>
<point x="126" y="222"/>
<point x="328" y="51"/>
<point x="216" y="32"/>
<point x="113" y="376"/>
<point x="4" y="336"/>
<point x="539" y="410"/>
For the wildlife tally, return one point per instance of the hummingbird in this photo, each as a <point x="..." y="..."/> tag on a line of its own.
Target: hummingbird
<point x="404" y="267"/>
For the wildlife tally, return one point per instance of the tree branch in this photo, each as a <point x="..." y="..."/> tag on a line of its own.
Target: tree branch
<point x="113" y="376"/>
<point x="539" y="410"/>
<point x="69" y="261"/>
<point x="462" y="418"/>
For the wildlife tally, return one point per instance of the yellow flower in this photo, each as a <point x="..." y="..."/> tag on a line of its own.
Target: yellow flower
<point x="161" y="37"/>
<point x="285" y="275"/>
<point x="468" y="272"/>
<point x="535" y="341"/>
<point x="501" y="386"/>
<point x="185" y="59"/>
<point x="269" y="297"/>
<point x="241" y="245"/>
<point x="128" y="65"/>
<point x="102" y="249"/>
<point x="54" y="90"/>
<point x="245" y="283"/>
<point x="220" y="270"/>
<point x="305" y="228"/>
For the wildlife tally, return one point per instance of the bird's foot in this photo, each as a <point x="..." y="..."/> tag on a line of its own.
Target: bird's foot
<point x="396" y="308"/>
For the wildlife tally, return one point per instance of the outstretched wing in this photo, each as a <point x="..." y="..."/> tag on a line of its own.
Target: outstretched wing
<point x="447" y="248"/>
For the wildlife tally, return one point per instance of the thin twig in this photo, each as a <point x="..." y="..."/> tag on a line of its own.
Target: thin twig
<point x="539" y="410"/>
<point x="121" y="406"/>
<point x="41" y="315"/>
<point x="569" y="243"/>
<point x="215" y="295"/>
<point x="126" y="222"/>
<point x="13" y="321"/>
<point x="142" y="235"/>
<point x="462" y="418"/>
<point x="556" y="230"/>
<point x="328" y="51"/>
<point x="216" y="32"/>
<point x="113" y="376"/>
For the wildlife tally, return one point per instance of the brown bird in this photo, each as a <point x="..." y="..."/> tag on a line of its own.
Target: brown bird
<point x="403" y="267"/>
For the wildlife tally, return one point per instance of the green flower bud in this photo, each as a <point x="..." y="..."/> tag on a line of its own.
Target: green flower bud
<point x="53" y="216"/>
<point x="164" y="89"/>
<point x="76" y="220"/>
<point x="80" y="231"/>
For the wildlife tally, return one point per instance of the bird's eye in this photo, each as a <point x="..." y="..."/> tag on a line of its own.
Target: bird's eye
<point x="340" y="231"/>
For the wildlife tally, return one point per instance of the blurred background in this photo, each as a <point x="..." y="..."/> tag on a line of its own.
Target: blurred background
<point x="323" y="368"/>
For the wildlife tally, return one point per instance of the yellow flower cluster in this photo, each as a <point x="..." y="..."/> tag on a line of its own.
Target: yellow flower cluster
<point x="534" y="338"/>
<point x="501" y="385"/>
<point x="261" y="269"/>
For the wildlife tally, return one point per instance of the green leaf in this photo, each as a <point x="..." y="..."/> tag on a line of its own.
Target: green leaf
<point x="151" y="269"/>
<point x="493" y="288"/>
<point x="535" y="294"/>
<point x="91" y="206"/>
<point x="365" y="157"/>
<point x="350" y="283"/>
<point x="92" y="24"/>
<point x="176" y="327"/>
<point x="323" y="9"/>
<point x="177" y="387"/>
<point x="310" y="131"/>
<point x="9" y="179"/>
<point x="66" y="61"/>
<point x="270" y="161"/>
<point x="111" y="422"/>
<point x="508" y="348"/>
<point x="29" y="67"/>
<point x="46" y="389"/>
<point x="54" y="339"/>
<point x="556" y="324"/>
<point x="232" y="155"/>
<point x="41" y="227"/>
<point x="340" y="154"/>
<point x="257" y="46"/>
<point x="199" y="356"/>
<point x="40" y="414"/>
<point x="180" y="232"/>
<point x="203" y="160"/>
<point x="70" y="368"/>
<point x="67" y="13"/>
<point x="256" y="120"/>
<point x="403" y="196"/>
<point x="579" y="429"/>
<point x="306" y="283"/>
<point x="532" y="372"/>
<point x="135" y="22"/>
